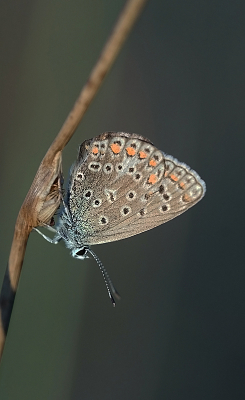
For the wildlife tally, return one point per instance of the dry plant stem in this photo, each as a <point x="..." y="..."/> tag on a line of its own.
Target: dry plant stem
<point x="43" y="197"/>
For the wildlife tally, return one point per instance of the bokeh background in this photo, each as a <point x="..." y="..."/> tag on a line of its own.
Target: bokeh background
<point x="179" y="331"/>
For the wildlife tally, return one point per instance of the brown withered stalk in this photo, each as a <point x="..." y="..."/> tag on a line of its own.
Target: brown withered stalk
<point x="44" y="195"/>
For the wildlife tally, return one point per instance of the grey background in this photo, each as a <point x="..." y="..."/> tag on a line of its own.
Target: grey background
<point x="178" y="332"/>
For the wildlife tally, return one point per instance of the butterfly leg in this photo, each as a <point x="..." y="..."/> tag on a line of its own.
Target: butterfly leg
<point x="50" y="228"/>
<point x="55" y="240"/>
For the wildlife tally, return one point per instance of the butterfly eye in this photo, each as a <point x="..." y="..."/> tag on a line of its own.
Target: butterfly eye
<point x="80" y="253"/>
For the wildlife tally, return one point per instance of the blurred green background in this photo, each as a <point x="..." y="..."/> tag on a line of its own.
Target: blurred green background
<point x="178" y="332"/>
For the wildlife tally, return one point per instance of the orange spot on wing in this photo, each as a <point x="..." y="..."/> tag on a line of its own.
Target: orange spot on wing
<point x="186" y="197"/>
<point x="131" y="151"/>
<point x="182" y="185"/>
<point x="115" y="148"/>
<point x="95" y="150"/>
<point x="152" y="178"/>
<point x="152" y="163"/>
<point x="174" y="177"/>
<point x="142" y="154"/>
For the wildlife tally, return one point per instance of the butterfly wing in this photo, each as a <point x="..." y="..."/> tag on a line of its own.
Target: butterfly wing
<point x="122" y="185"/>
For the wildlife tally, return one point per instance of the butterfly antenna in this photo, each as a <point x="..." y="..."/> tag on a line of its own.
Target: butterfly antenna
<point x="109" y="285"/>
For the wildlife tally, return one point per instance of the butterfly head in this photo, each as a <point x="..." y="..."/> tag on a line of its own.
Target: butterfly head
<point x="80" y="253"/>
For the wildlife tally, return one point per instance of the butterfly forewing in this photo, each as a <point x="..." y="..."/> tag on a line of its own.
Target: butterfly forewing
<point x="122" y="185"/>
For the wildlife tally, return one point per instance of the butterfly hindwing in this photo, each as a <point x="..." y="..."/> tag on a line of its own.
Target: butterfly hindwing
<point x="122" y="185"/>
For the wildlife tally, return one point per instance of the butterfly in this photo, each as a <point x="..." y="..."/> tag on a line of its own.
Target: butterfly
<point x="121" y="185"/>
